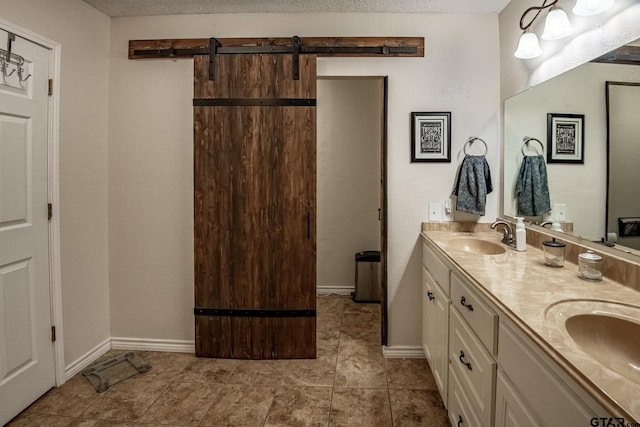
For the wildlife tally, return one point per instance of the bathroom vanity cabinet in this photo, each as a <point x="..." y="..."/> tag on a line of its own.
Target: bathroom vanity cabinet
<point x="488" y="370"/>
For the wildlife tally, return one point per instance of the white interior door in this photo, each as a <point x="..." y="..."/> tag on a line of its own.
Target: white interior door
<point x="26" y="351"/>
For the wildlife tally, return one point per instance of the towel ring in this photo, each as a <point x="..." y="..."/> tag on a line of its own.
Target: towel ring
<point x="471" y="141"/>
<point x="526" y="140"/>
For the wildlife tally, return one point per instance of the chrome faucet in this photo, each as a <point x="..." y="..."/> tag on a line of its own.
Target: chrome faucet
<point x="543" y="223"/>
<point x="508" y="231"/>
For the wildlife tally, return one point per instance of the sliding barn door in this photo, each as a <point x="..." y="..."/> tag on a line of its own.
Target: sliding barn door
<point x="254" y="206"/>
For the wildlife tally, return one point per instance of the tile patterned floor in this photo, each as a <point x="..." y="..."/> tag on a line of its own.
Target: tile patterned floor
<point x="349" y="384"/>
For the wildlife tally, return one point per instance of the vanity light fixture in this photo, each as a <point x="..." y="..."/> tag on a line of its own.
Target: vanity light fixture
<point x="528" y="46"/>
<point x="591" y="7"/>
<point x="556" y="26"/>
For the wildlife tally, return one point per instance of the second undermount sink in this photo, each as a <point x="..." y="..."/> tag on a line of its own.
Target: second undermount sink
<point x="476" y="246"/>
<point x="605" y="331"/>
<point x="610" y="340"/>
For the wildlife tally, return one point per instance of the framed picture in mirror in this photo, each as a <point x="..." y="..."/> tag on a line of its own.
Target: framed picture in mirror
<point x="431" y="137"/>
<point x="565" y="138"/>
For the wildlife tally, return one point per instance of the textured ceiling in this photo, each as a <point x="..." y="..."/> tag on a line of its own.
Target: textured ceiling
<point x="119" y="8"/>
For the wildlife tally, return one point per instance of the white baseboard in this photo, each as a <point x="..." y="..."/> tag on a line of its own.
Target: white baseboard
<point x="403" y="352"/>
<point x="183" y="346"/>
<point x="145" y="344"/>
<point x="86" y="360"/>
<point x="334" y="290"/>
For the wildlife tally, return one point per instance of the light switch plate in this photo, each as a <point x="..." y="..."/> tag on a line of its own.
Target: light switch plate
<point x="435" y="212"/>
<point x="447" y="212"/>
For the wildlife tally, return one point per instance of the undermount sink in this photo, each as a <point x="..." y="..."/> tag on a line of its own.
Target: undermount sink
<point x="610" y="340"/>
<point x="476" y="246"/>
<point x="606" y="331"/>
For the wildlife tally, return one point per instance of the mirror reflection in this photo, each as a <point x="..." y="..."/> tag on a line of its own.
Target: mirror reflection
<point x="623" y="193"/>
<point x="576" y="172"/>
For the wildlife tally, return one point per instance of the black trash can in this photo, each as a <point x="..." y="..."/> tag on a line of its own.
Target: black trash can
<point x="368" y="287"/>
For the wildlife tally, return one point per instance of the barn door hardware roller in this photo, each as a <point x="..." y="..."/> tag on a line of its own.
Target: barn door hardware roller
<point x="215" y="48"/>
<point x="296" y="43"/>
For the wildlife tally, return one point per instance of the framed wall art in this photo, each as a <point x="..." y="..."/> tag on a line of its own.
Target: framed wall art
<point x="431" y="137"/>
<point x="565" y="138"/>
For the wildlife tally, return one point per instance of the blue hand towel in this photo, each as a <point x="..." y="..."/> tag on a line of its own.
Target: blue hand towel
<point x="473" y="185"/>
<point x="532" y="188"/>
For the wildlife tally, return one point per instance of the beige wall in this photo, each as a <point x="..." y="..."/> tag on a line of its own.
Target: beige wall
<point x="348" y="162"/>
<point x="150" y="193"/>
<point x="594" y="36"/>
<point x="83" y="34"/>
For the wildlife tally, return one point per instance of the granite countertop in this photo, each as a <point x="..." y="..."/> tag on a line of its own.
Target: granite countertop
<point x="531" y="294"/>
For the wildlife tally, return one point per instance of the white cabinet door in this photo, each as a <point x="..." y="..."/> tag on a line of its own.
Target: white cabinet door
<point x="436" y="332"/>
<point x="427" y="331"/>
<point x="440" y="325"/>
<point x="26" y="352"/>
<point x="511" y="409"/>
<point x="552" y="395"/>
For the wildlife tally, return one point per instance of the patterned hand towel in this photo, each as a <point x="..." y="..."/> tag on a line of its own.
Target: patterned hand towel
<point x="473" y="185"/>
<point x="532" y="188"/>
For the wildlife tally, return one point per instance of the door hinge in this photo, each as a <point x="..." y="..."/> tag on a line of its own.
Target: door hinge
<point x="53" y="334"/>
<point x="49" y="211"/>
<point x="50" y="87"/>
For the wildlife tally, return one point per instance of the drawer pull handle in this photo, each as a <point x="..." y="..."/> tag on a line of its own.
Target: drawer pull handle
<point x="463" y="302"/>
<point x="430" y="295"/>
<point x="467" y="364"/>
<point x="460" y="420"/>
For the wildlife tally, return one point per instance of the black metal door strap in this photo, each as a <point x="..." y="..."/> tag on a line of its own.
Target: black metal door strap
<point x="254" y="102"/>
<point x="252" y="312"/>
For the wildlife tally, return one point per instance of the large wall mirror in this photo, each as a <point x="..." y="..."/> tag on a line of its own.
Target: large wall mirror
<point x="578" y="189"/>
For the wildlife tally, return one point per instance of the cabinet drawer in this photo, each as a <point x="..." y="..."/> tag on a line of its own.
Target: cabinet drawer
<point x="436" y="267"/>
<point x="483" y="320"/>
<point x="461" y="413"/>
<point x="474" y="367"/>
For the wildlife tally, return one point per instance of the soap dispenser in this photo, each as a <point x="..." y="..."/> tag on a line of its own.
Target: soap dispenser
<point x="521" y="235"/>
<point x="556" y="226"/>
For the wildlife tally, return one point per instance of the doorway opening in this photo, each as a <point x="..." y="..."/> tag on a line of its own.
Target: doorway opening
<point x="351" y="181"/>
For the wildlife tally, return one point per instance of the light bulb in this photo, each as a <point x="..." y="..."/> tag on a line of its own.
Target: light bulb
<point x="528" y="46"/>
<point x="557" y="25"/>
<point x="591" y="7"/>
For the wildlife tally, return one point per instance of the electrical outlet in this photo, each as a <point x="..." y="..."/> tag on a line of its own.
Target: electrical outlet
<point x="435" y="212"/>
<point x="560" y="212"/>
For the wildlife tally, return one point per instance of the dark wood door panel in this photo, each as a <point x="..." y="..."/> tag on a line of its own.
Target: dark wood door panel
<point x="254" y="208"/>
<point x="254" y="220"/>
